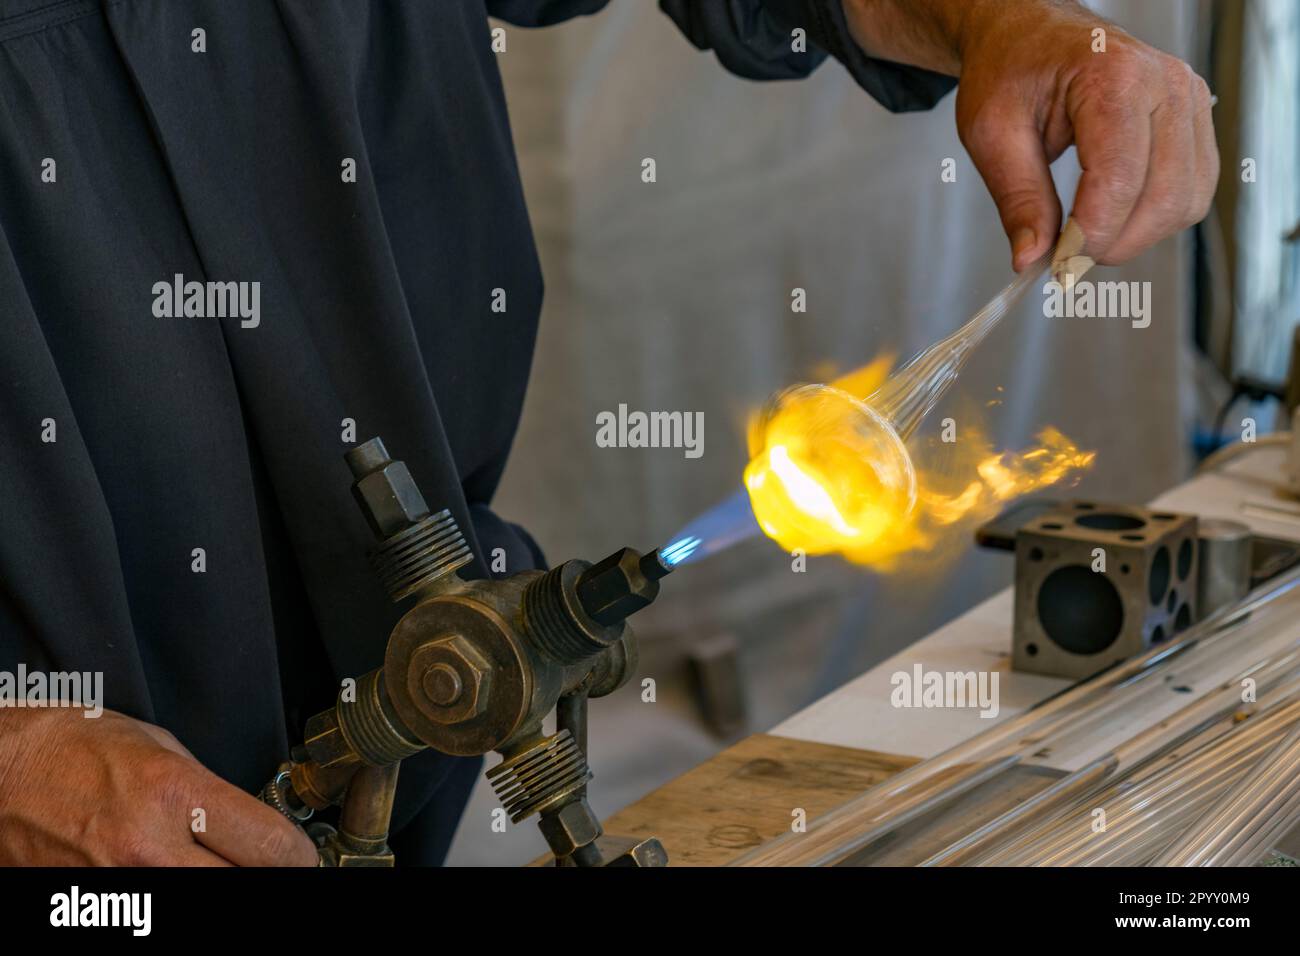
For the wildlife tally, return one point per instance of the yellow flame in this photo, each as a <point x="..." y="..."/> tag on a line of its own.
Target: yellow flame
<point x="864" y="381"/>
<point x="828" y="475"/>
<point x="814" y="500"/>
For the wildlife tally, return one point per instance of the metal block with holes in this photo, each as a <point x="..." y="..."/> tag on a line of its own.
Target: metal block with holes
<point x="1098" y="583"/>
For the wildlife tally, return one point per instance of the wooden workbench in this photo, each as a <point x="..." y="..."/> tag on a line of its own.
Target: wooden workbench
<point x="747" y="795"/>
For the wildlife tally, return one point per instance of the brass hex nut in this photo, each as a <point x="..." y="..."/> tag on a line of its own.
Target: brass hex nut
<point x="389" y="499"/>
<point x="350" y="859"/>
<point x="616" y="587"/>
<point x="644" y="853"/>
<point x="570" y="827"/>
<point x="324" y="741"/>
<point x="450" y="679"/>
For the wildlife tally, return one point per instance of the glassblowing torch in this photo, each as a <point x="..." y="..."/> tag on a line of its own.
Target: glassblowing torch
<point x="472" y="667"/>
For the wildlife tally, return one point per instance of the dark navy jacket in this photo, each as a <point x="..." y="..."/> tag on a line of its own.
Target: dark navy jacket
<point x="175" y="434"/>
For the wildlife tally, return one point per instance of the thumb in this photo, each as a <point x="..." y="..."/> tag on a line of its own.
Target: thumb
<point x="1010" y="157"/>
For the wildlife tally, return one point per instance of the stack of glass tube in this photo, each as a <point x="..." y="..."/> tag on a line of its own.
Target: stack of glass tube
<point x="1129" y="821"/>
<point x="1214" y="783"/>
<point x="1259" y="808"/>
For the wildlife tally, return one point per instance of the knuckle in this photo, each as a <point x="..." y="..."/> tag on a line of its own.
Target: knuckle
<point x="1179" y="73"/>
<point x="1125" y="78"/>
<point x="1209" y="185"/>
<point x="1186" y="92"/>
<point x="1172" y="205"/>
<point x="1200" y="206"/>
<point x="1180" y="202"/>
<point x="277" y="844"/>
<point x="1194" y="204"/>
<point x="1019" y="205"/>
<point x="168" y="735"/>
<point x="976" y="130"/>
<point x="173" y="793"/>
<point x="1116" y="104"/>
<point x="168" y="780"/>
<point x="1119" y="172"/>
<point x="132" y="846"/>
<point x="982" y="126"/>
<point x="1181" y="97"/>
<point x="1201" y="91"/>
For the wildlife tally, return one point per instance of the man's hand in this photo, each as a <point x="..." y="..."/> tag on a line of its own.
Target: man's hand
<point x="112" y="791"/>
<point x="1030" y="85"/>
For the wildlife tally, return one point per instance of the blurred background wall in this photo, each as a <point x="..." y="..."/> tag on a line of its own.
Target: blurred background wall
<point x="675" y="295"/>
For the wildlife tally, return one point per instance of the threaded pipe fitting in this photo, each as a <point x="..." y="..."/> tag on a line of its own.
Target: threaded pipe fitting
<point x="374" y="734"/>
<point x="415" y="558"/>
<point x="541" y="776"/>
<point x="555" y="622"/>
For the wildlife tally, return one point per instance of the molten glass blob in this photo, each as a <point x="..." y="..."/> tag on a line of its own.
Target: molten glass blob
<point x="828" y="474"/>
<point x="831" y="470"/>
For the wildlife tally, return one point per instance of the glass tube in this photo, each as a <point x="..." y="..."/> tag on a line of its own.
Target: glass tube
<point x="848" y="828"/>
<point x="911" y="393"/>
<point x="1246" y="808"/>
<point x="1274" y="828"/>
<point x="1120" y="760"/>
<point x="1162" y="802"/>
<point x="1157" y="780"/>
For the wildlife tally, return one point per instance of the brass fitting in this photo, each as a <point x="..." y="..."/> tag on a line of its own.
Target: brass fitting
<point x="452" y="678"/>
<point x="569" y="828"/>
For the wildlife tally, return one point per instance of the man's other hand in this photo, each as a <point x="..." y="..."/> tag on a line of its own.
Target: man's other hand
<point x="1036" y="76"/>
<point x="113" y="791"/>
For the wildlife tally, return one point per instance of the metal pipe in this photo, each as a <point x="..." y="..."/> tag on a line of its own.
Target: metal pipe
<point x="1223" y="571"/>
<point x="571" y="715"/>
<point x="368" y="808"/>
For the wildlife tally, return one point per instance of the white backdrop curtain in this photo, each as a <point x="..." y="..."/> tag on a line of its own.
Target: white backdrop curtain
<point x="676" y="296"/>
<point x="1267" y="267"/>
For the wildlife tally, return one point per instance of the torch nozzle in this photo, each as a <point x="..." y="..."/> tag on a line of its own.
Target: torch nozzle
<point x="618" y="586"/>
<point x="654" y="566"/>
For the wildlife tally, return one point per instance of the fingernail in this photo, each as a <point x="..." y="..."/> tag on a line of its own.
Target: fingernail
<point x="1022" y="243"/>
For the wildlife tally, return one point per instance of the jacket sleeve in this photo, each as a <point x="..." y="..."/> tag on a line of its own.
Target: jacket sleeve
<point x="752" y="38"/>
<point x="542" y="13"/>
